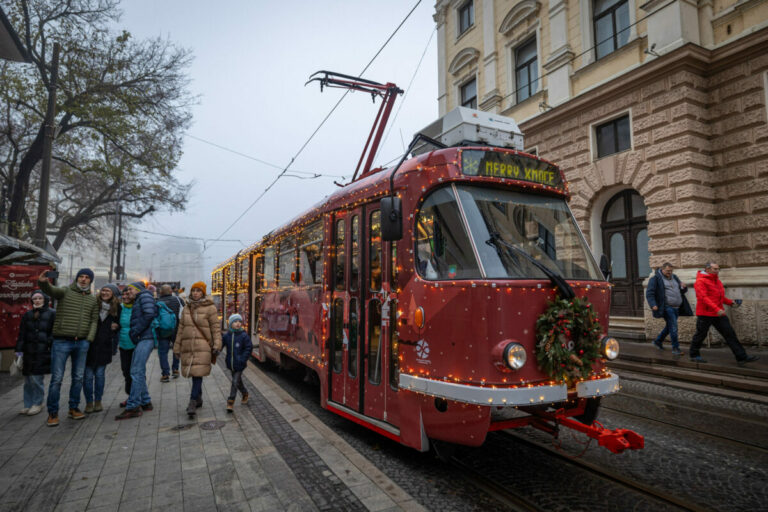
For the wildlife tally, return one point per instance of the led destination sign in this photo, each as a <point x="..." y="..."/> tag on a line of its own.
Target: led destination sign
<point x="505" y="165"/>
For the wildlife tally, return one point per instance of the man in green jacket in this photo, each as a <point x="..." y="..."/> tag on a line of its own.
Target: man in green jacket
<point x="77" y="316"/>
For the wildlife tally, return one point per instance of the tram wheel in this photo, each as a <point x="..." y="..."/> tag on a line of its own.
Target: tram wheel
<point x="590" y="411"/>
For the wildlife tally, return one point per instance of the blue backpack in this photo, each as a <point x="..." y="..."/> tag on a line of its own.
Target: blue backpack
<point x="165" y="321"/>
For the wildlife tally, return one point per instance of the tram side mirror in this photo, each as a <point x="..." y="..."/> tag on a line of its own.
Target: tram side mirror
<point x="605" y="267"/>
<point x="391" y="219"/>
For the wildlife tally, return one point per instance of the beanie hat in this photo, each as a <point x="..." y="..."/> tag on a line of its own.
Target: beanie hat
<point x="39" y="292"/>
<point x="138" y="285"/>
<point x="200" y="285"/>
<point x="234" y="318"/>
<point x="113" y="287"/>
<point x="84" y="272"/>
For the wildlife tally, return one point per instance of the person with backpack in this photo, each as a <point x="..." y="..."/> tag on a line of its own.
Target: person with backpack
<point x="168" y="310"/>
<point x="143" y="314"/>
<point x="238" y="347"/>
<point x="102" y="348"/>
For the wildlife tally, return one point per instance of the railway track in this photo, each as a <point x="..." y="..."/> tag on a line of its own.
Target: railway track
<point x="612" y="476"/>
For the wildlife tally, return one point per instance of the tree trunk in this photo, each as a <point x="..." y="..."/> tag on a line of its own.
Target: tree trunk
<point x="21" y="184"/>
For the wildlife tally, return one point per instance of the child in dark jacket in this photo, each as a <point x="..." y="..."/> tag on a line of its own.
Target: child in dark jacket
<point x="238" y="348"/>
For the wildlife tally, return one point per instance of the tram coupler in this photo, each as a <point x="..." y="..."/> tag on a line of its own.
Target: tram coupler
<point x="616" y="440"/>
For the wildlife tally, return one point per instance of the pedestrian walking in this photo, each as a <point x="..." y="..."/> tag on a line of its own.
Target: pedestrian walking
<point x="34" y="345"/>
<point x="165" y="339"/>
<point x="198" y="341"/>
<point x="125" y="343"/>
<point x="74" y="328"/>
<point x="143" y="313"/>
<point x="238" y="347"/>
<point x="666" y="297"/>
<point x="103" y="347"/>
<point x="710" y="297"/>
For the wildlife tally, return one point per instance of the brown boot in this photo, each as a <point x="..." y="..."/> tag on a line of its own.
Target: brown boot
<point x="88" y="408"/>
<point x="245" y="398"/>
<point x="230" y="406"/>
<point x="53" y="420"/>
<point x="128" y="413"/>
<point x="97" y="406"/>
<point x="75" y="414"/>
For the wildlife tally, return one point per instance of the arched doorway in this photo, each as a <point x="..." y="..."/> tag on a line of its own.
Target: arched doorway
<point x="625" y="242"/>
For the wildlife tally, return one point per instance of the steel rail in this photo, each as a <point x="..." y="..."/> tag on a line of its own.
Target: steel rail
<point x="613" y="476"/>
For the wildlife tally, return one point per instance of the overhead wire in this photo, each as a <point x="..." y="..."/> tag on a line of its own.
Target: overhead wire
<point x="303" y="146"/>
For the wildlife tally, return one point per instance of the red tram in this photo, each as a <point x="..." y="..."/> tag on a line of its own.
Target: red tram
<point x="430" y="334"/>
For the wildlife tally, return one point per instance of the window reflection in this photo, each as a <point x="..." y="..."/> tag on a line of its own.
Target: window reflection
<point x="374" y="341"/>
<point x="340" y="255"/>
<point x="311" y="255"/>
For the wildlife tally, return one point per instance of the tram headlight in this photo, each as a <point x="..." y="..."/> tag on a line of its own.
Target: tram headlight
<point x="515" y="356"/>
<point x="610" y="348"/>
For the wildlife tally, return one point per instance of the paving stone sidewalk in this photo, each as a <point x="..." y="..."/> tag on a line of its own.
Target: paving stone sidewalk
<point x="271" y="454"/>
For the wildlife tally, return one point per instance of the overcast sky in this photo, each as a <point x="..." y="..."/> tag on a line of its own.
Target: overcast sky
<point x="251" y="61"/>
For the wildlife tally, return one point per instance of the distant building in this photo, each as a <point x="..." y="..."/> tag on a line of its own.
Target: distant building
<point x="656" y="112"/>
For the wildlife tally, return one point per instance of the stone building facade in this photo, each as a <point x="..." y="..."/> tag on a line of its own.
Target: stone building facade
<point x="659" y="118"/>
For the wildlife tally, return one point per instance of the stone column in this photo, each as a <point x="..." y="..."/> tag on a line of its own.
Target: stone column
<point x="441" y="12"/>
<point x="491" y="98"/>
<point x="672" y="25"/>
<point x="558" y="66"/>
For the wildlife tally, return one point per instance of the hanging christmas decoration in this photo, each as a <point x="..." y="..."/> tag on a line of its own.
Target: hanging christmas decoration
<point x="568" y="337"/>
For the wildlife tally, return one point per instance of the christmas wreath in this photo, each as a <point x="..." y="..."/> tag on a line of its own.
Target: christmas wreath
<point x="569" y="339"/>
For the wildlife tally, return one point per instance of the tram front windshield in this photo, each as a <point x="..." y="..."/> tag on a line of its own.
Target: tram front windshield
<point x="473" y="232"/>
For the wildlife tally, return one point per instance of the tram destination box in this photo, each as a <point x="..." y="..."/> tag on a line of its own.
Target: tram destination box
<point x="465" y="125"/>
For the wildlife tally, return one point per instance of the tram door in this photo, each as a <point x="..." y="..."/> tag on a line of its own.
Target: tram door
<point x="345" y="310"/>
<point x="255" y="295"/>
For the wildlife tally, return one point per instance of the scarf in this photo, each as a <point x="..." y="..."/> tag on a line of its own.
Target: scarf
<point x="83" y="289"/>
<point x="105" y="306"/>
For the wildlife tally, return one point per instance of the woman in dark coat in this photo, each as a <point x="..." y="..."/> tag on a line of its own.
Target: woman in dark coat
<point x="34" y="343"/>
<point x="103" y="347"/>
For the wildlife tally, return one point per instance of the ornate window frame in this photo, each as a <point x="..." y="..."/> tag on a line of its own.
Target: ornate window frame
<point x="588" y="31"/>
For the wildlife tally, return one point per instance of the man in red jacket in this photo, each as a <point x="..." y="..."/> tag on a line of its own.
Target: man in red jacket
<point x="710" y="296"/>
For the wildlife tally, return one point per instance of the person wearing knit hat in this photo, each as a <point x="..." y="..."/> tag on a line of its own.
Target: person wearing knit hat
<point x="238" y="346"/>
<point x="103" y="347"/>
<point x="34" y="344"/>
<point x="142" y="334"/>
<point x="77" y="314"/>
<point x="198" y="341"/>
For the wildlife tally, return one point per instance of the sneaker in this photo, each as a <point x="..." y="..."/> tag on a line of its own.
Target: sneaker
<point x="34" y="410"/>
<point x="147" y="407"/>
<point x="53" y="420"/>
<point x="230" y="406"/>
<point x="88" y="408"/>
<point x="659" y="344"/>
<point x="24" y="410"/>
<point x="698" y="359"/>
<point x="245" y="398"/>
<point x="97" y="406"/>
<point x="75" y="414"/>
<point x="749" y="359"/>
<point x="677" y="352"/>
<point x="165" y="378"/>
<point x="124" y="403"/>
<point x="175" y="374"/>
<point x="129" y="413"/>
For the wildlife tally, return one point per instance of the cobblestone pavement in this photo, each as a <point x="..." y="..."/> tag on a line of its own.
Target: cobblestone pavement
<point x="165" y="461"/>
<point x="711" y="469"/>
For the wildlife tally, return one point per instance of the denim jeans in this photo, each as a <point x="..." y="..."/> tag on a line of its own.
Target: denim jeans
<point x="60" y="351"/>
<point x="163" y="347"/>
<point x="237" y="385"/>
<point x="670" y="317"/>
<point x="93" y="383"/>
<point x="197" y="388"/>
<point x="34" y="390"/>
<point x="139" y="393"/>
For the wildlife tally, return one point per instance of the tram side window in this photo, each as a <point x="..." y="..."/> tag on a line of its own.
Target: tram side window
<point x="311" y="255"/>
<point x="258" y="272"/>
<point x="374" y="341"/>
<point x="353" y="336"/>
<point x="338" y="334"/>
<point x="443" y="249"/>
<point x="269" y="267"/>
<point x="374" y="253"/>
<point x="394" y="353"/>
<point x="341" y="257"/>
<point x="286" y="265"/>
<point x="244" y="272"/>
<point x="354" y="271"/>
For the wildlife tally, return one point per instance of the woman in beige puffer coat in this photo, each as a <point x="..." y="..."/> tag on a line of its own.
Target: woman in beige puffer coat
<point x="197" y="340"/>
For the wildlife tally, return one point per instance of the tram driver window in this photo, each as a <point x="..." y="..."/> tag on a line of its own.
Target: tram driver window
<point x="443" y="249"/>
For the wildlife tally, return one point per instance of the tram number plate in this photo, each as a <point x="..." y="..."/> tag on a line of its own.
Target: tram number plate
<point x="495" y="164"/>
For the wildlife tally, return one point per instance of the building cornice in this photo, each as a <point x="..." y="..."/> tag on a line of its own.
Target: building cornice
<point x="518" y="14"/>
<point x="463" y="58"/>
<point x="690" y="56"/>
